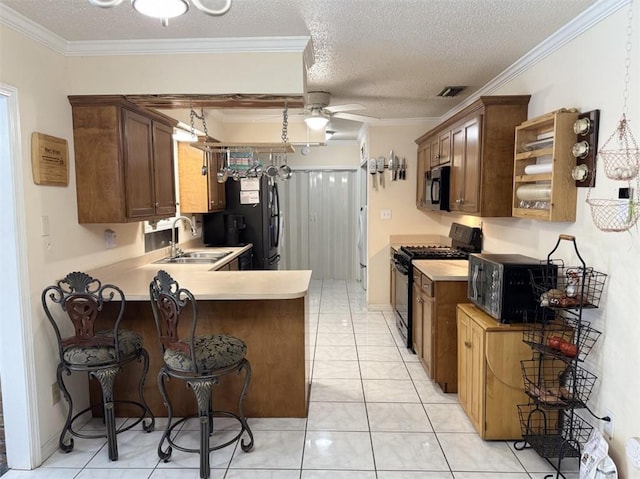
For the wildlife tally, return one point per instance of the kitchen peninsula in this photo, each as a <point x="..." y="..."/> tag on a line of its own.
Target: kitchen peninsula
<point x="266" y="309"/>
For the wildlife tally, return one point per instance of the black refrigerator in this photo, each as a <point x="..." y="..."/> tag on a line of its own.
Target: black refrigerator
<point x="247" y="221"/>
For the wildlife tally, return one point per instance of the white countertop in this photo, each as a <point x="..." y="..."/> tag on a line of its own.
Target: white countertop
<point x="443" y="270"/>
<point x="133" y="277"/>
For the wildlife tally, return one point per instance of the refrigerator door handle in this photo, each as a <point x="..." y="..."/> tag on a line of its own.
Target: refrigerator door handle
<point x="276" y="199"/>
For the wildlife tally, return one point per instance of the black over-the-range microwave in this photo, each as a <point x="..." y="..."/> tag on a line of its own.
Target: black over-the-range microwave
<point x="500" y="285"/>
<point x="436" y="188"/>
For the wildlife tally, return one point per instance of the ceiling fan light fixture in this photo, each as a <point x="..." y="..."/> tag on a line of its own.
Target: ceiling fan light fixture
<point x="161" y="8"/>
<point x="316" y="120"/>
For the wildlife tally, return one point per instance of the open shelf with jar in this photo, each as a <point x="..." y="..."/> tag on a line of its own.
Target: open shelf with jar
<point x="543" y="187"/>
<point x="556" y="379"/>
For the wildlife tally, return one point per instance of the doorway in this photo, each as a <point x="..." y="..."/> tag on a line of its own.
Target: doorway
<point x="16" y="350"/>
<point x="320" y="213"/>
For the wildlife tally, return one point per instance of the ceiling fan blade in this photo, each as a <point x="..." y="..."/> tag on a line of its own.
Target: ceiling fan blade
<point x="354" y="117"/>
<point x="348" y="107"/>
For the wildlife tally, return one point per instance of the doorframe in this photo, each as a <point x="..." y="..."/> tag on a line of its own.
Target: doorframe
<point x="17" y="358"/>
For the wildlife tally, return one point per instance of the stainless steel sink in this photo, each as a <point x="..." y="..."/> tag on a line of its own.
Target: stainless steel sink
<point x="195" y="257"/>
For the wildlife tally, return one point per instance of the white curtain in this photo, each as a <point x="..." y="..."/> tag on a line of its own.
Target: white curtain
<point x="320" y="212"/>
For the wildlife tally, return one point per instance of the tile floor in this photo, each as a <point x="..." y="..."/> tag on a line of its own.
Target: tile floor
<point x="374" y="414"/>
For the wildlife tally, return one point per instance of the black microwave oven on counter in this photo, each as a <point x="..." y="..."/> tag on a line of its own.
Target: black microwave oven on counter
<point x="500" y="285"/>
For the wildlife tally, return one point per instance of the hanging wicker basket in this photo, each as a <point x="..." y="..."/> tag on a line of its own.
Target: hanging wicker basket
<point x="621" y="160"/>
<point x="614" y="215"/>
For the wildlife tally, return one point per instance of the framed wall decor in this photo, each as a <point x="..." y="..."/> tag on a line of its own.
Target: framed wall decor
<point x="49" y="160"/>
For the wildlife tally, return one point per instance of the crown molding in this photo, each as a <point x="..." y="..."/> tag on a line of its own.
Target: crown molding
<point x="32" y="30"/>
<point x="35" y="31"/>
<point x="583" y="22"/>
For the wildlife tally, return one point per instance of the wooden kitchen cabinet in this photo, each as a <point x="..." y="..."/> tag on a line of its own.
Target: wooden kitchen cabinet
<point x="423" y="165"/>
<point x="434" y="332"/>
<point x="490" y="384"/>
<point x="441" y="149"/>
<point x="123" y="161"/>
<point x="547" y="139"/>
<point x="465" y="167"/>
<point x="481" y="141"/>
<point x="199" y="193"/>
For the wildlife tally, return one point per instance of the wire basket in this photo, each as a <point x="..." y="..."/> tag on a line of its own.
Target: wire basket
<point x="553" y="433"/>
<point x="549" y="339"/>
<point x="621" y="161"/>
<point x="568" y="287"/>
<point x="614" y="215"/>
<point x="557" y="384"/>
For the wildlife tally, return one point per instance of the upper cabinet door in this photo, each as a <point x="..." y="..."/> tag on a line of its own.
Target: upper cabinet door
<point x="465" y="167"/>
<point x="163" y="172"/>
<point x="138" y="165"/>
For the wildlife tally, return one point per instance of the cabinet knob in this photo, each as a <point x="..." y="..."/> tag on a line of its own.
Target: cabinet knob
<point x="467" y="344"/>
<point x="156" y="204"/>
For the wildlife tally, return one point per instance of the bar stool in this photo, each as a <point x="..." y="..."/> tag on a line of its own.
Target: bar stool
<point x="200" y="361"/>
<point x="101" y="354"/>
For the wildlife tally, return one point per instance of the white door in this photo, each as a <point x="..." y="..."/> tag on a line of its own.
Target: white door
<point x="320" y="210"/>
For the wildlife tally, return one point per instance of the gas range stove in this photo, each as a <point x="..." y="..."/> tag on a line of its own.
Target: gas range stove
<point x="434" y="252"/>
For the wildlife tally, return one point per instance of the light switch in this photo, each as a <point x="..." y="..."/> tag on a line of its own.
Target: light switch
<point x="385" y="214"/>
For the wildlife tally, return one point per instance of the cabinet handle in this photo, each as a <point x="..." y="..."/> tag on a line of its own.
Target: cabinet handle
<point x="156" y="204"/>
<point x="467" y="344"/>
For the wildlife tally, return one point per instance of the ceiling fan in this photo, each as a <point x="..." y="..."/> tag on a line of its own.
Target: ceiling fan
<point x="318" y="112"/>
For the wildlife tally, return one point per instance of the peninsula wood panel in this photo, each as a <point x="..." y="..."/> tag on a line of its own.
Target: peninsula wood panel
<point x="274" y="332"/>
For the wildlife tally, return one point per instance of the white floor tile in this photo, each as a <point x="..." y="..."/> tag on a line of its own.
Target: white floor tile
<point x="306" y="474"/>
<point x="277" y="423"/>
<point x="430" y="392"/>
<point x="398" y="417"/>
<point x="191" y="439"/>
<point x="378" y="353"/>
<point x="337" y="416"/>
<point x="491" y="475"/>
<point x="343" y="327"/>
<point x="192" y="473"/>
<point x="114" y="474"/>
<point x="42" y="473"/>
<point x="335" y="339"/>
<point x="338" y="450"/>
<point x="374" y="339"/>
<point x="383" y="370"/>
<point x="263" y="474"/>
<point x="414" y="475"/>
<point x="272" y="450"/>
<point x="468" y="452"/>
<point x="336" y="353"/>
<point x="385" y="390"/>
<point x="532" y="462"/>
<point x="336" y="370"/>
<point x="448" y="418"/>
<point x="408" y="451"/>
<point x="368" y="317"/>
<point x="83" y="451"/>
<point x="417" y="371"/>
<point x="340" y="390"/>
<point x="134" y="451"/>
<point x="334" y="317"/>
<point x="377" y="327"/>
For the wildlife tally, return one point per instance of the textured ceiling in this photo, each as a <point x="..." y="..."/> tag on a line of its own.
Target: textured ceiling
<point x="392" y="56"/>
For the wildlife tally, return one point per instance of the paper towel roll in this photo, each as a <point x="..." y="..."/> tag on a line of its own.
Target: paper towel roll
<point x="539" y="168"/>
<point x="534" y="192"/>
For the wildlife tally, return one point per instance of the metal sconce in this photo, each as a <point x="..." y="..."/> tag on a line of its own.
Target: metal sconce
<point x="585" y="148"/>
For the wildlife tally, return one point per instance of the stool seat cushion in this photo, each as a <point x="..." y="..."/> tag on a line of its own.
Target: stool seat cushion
<point x="212" y="352"/>
<point x="129" y="342"/>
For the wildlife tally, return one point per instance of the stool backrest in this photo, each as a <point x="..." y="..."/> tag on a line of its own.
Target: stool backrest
<point x="82" y="298"/>
<point x="168" y="301"/>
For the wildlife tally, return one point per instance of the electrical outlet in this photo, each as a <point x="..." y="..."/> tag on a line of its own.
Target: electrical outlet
<point x="55" y="393"/>
<point x="608" y="426"/>
<point x="385" y="214"/>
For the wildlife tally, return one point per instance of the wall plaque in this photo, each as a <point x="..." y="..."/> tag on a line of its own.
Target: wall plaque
<point x="49" y="160"/>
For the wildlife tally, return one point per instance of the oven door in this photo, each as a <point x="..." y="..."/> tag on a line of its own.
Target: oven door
<point x="402" y="299"/>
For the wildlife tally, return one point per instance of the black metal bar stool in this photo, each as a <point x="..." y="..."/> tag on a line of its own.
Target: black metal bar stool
<point x="198" y="360"/>
<point x="101" y="354"/>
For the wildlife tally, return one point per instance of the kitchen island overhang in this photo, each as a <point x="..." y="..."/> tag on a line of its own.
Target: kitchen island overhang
<point x="266" y="309"/>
